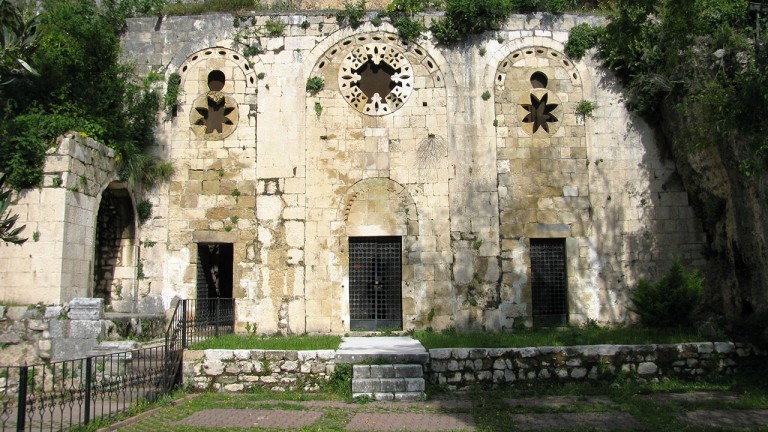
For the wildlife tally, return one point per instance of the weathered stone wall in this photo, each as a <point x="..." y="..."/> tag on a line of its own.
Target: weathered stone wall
<point x="450" y="160"/>
<point x="56" y="264"/>
<point x="459" y="368"/>
<point x="24" y="334"/>
<point x="246" y="370"/>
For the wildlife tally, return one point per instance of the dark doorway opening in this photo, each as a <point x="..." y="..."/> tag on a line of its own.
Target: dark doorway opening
<point x="375" y="283"/>
<point x="215" y="262"/>
<point x="549" y="282"/>
<point x="214" y="270"/>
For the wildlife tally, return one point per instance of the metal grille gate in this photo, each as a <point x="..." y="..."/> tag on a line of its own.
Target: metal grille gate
<point x="549" y="281"/>
<point x="375" y="276"/>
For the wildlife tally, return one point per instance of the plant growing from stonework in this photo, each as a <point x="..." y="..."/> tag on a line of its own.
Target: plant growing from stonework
<point x="140" y="271"/>
<point x="274" y="27"/>
<point x="144" y="210"/>
<point x="486" y="95"/>
<point x="353" y="14"/>
<point x="318" y="109"/>
<point x="315" y="85"/>
<point x="581" y="38"/>
<point x="172" y="93"/>
<point x="585" y="108"/>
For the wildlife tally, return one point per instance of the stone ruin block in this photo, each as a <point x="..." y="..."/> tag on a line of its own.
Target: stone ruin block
<point x="86" y="309"/>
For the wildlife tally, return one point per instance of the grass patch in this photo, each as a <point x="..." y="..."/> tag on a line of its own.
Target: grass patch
<point x="291" y="343"/>
<point x="568" y="336"/>
<point x="489" y="407"/>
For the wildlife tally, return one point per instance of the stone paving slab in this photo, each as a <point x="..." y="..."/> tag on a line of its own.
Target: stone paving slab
<point x="560" y="402"/>
<point x="570" y="421"/>
<point x="248" y="418"/>
<point x="390" y="349"/>
<point x="721" y="419"/>
<point x="411" y="422"/>
<point x="702" y="396"/>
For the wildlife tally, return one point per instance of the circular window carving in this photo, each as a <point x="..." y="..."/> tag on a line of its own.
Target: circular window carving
<point x="214" y="114"/>
<point x="376" y="79"/>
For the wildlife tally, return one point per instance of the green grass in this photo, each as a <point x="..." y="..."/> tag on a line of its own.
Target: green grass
<point x="568" y="336"/>
<point x="291" y="343"/>
<point x="489" y="407"/>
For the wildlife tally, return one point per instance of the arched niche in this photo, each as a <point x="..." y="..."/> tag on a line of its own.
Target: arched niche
<point x="114" y="272"/>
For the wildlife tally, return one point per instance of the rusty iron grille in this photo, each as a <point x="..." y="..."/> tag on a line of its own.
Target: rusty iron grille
<point x="549" y="282"/>
<point x="375" y="276"/>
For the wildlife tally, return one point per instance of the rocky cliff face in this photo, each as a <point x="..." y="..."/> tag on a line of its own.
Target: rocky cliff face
<point x="734" y="209"/>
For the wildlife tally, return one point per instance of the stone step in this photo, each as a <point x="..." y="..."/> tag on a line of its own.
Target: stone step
<point x="112" y="347"/>
<point x="388" y="381"/>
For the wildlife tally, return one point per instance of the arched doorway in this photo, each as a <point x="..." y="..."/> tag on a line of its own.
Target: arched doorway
<point x="114" y="272"/>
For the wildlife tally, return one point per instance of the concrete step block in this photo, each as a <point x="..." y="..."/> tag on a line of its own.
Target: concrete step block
<point x="382" y="371"/>
<point x="409" y="371"/>
<point x="410" y="396"/>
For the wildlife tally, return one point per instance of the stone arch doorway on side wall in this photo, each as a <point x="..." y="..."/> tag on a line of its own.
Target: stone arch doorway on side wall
<point x="381" y="225"/>
<point x="114" y="273"/>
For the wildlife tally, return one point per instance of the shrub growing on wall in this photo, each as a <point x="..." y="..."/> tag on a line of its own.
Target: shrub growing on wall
<point x="670" y="302"/>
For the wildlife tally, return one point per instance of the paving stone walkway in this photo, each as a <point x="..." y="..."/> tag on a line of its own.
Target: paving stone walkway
<point x="457" y="413"/>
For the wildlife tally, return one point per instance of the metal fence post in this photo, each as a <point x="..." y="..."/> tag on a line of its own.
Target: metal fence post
<point x="21" y="415"/>
<point x="232" y="315"/>
<point x="183" y="324"/>
<point x="87" y="390"/>
<point x="216" y="306"/>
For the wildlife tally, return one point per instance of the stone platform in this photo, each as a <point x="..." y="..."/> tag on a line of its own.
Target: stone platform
<point x="385" y="368"/>
<point x="396" y="349"/>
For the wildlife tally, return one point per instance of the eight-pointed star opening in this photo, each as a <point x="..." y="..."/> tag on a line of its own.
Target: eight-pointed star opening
<point x="539" y="113"/>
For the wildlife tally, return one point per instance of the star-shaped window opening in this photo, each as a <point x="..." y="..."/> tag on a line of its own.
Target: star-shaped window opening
<point x="215" y="115"/>
<point x="539" y="113"/>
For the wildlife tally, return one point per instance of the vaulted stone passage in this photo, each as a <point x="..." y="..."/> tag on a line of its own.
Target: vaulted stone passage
<point x="114" y="271"/>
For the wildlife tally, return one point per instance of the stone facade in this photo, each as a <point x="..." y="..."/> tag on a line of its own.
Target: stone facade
<point x="467" y="158"/>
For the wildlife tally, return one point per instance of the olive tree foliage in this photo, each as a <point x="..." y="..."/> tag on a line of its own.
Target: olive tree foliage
<point x="18" y="37"/>
<point x="9" y="232"/>
<point x="81" y="86"/>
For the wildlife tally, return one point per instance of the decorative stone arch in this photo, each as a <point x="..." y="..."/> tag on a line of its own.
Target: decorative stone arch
<point x="116" y="248"/>
<point x="380" y="207"/>
<point x="542" y="83"/>
<point x="344" y="56"/>
<point x="217" y="84"/>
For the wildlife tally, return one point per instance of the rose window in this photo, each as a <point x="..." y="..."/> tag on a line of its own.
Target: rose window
<point x="376" y="79"/>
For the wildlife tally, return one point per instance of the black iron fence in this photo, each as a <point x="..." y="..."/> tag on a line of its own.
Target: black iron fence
<point x="194" y="320"/>
<point x="67" y="394"/>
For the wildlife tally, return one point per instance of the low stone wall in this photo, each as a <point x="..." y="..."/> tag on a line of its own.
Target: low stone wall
<point x="458" y="368"/>
<point x="247" y="370"/>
